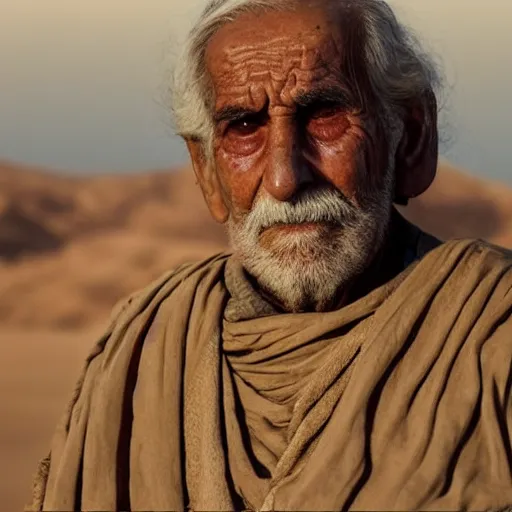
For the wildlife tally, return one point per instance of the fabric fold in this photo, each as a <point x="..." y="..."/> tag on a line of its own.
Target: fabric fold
<point x="397" y="401"/>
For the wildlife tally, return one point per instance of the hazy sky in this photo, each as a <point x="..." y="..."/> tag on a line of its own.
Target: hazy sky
<point x="79" y="80"/>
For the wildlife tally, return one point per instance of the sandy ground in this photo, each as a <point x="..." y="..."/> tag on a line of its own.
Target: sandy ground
<point x="37" y="375"/>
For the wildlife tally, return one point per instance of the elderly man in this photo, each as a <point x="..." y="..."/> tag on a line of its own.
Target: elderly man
<point x="339" y="358"/>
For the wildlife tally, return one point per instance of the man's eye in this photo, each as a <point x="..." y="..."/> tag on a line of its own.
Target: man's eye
<point x="325" y="112"/>
<point x="327" y="122"/>
<point x="243" y="127"/>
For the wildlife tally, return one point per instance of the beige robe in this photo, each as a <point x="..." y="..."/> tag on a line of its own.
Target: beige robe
<point x="398" y="401"/>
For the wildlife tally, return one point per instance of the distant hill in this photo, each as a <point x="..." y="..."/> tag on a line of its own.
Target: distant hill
<point x="70" y="247"/>
<point x="42" y="211"/>
<point x="459" y="205"/>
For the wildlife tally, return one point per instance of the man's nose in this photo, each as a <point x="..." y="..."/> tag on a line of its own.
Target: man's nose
<point x="286" y="171"/>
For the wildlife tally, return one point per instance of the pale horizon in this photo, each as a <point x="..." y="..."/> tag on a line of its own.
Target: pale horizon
<point x="79" y="88"/>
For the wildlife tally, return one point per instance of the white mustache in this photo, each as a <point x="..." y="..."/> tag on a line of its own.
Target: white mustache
<point x="324" y="205"/>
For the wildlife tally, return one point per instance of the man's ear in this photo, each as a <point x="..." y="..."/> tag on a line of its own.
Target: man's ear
<point x="208" y="181"/>
<point x="417" y="153"/>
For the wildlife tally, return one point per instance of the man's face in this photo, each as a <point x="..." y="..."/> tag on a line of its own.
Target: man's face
<point x="306" y="175"/>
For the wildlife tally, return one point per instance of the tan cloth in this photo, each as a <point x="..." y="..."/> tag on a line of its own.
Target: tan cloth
<point x="404" y="400"/>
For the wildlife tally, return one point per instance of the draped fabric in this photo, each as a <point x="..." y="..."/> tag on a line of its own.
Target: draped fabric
<point x="400" y="400"/>
<point x="270" y="363"/>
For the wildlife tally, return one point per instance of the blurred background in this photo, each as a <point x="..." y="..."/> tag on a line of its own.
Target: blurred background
<point x="97" y="197"/>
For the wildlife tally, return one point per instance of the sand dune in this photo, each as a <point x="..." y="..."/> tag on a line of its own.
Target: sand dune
<point x="459" y="205"/>
<point x="44" y="211"/>
<point x="71" y="247"/>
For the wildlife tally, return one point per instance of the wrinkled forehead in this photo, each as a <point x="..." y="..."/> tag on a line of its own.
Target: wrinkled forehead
<point x="292" y="50"/>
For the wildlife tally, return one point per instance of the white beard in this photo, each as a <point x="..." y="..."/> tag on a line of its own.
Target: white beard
<point x="305" y="270"/>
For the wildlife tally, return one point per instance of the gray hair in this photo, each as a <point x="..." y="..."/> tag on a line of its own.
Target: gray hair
<point x="397" y="69"/>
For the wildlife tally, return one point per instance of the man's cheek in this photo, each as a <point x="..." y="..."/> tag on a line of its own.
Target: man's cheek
<point x="240" y="186"/>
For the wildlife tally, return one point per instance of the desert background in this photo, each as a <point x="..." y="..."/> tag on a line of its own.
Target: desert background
<point x="97" y="197"/>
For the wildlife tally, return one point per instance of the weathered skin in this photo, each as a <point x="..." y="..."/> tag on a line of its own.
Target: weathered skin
<point x="285" y="146"/>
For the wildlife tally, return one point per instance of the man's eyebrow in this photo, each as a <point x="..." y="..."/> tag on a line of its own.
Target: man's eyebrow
<point x="326" y="94"/>
<point x="232" y="113"/>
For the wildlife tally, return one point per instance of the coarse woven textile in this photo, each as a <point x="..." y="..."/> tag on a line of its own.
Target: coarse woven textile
<point x="409" y="407"/>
